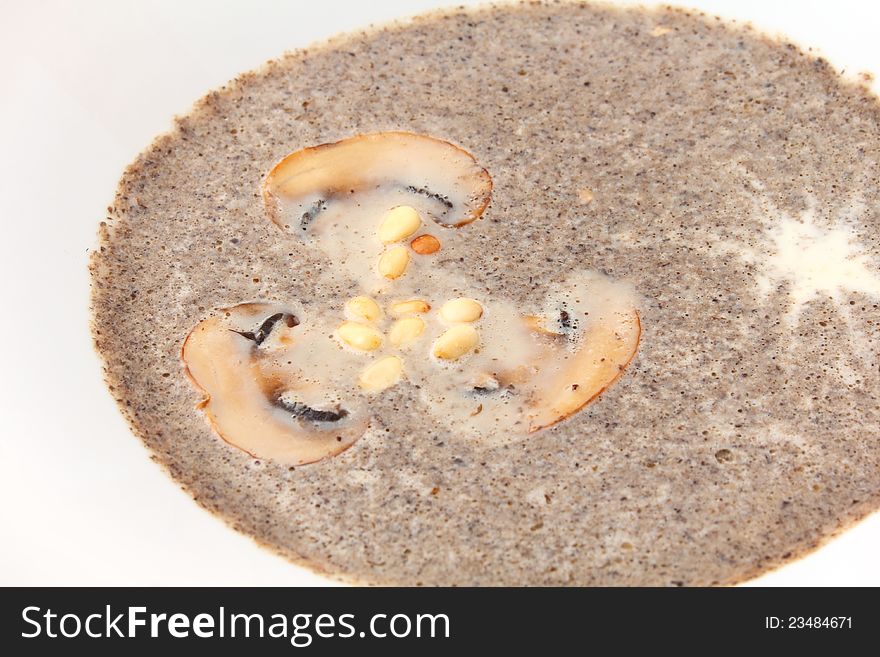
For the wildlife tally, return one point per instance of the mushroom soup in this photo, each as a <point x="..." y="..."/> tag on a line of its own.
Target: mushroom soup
<point x="359" y="303"/>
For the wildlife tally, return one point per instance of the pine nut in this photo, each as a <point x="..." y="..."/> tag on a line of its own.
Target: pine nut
<point x="425" y="244"/>
<point x="411" y="307"/>
<point x="393" y="262"/>
<point x="381" y="374"/>
<point x="456" y="342"/>
<point x="359" y="336"/>
<point x="399" y="223"/>
<point x="363" y="308"/>
<point x="461" y="310"/>
<point x="406" y="331"/>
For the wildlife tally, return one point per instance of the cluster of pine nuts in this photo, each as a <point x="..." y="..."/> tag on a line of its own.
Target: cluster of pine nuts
<point x="397" y="225"/>
<point x="360" y="331"/>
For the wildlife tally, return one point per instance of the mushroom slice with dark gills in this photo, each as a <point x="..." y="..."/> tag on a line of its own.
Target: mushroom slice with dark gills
<point x="440" y="179"/>
<point x="590" y="334"/>
<point x="582" y="365"/>
<point x="361" y="203"/>
<point x="549" y="366"/>
<point x="244" y="360"/>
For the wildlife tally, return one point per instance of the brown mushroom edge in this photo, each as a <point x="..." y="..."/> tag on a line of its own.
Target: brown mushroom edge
<point x="606" y="349"/>
<point x="306" y="181"/>
<point x="252" y="398"/>
<point x="574" y="359"/>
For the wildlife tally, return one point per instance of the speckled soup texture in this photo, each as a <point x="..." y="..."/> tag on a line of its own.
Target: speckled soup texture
<point x="745" y="432"/>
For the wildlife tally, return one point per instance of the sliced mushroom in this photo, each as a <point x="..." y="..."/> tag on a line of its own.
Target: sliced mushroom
<point x="599" y="356"/>
<point x="303" y="184"/>
<point x="252" y="400"/>
<point x="566" y="367"/>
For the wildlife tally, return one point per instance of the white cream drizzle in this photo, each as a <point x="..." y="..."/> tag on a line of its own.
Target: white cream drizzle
<point x="814" y="261"/>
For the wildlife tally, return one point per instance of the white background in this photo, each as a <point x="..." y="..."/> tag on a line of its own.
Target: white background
<point x="83" y="88"/>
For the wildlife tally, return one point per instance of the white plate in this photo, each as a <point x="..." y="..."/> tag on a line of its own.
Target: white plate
<point x="85" y="87"/>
